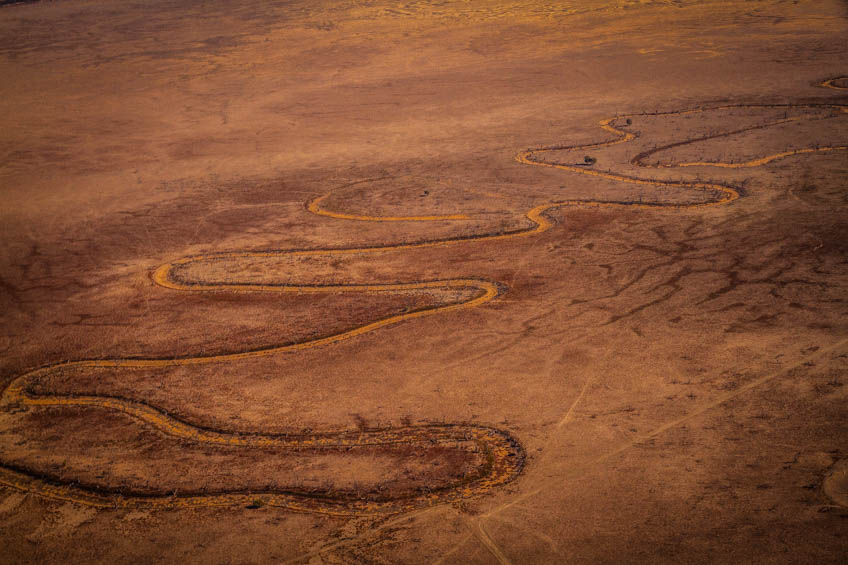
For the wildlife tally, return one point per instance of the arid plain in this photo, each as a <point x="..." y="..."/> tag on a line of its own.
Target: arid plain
<point x="413" y="282"/>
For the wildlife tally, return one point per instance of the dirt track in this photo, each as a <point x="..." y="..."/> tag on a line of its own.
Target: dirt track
<point x="666" y="348"/>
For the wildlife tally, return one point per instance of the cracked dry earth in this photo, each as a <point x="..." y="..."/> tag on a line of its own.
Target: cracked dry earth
<point x="487" y="348"/>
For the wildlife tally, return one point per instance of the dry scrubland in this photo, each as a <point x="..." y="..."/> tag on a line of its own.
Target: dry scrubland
<point x="466" y="282"/>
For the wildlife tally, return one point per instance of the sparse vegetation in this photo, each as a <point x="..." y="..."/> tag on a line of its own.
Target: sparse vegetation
<point x="366" y="305"/>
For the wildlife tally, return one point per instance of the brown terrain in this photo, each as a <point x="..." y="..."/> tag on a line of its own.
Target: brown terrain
<point x="482" y="282"/>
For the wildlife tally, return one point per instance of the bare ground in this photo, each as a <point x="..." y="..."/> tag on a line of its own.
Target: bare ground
<point x="672" y="377"/>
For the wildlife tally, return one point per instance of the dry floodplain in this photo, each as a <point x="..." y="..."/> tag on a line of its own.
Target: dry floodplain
<point x="484" y="282"/>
